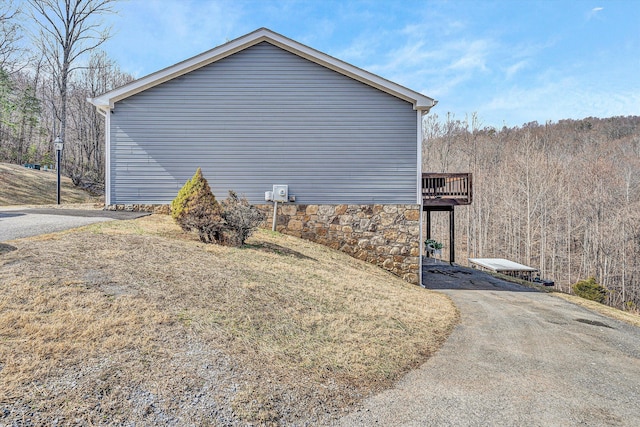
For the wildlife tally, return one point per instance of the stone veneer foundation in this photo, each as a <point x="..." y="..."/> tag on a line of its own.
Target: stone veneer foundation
<point x="384" y="235"/>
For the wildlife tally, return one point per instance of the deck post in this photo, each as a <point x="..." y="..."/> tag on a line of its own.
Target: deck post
<point x="452" y="233"/>
<point x="443" y="192"/>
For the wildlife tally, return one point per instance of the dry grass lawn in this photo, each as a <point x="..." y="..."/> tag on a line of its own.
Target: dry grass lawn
<point x="605" y="310"/>
<point x="22" y="186"/>
<point x="612" y="312"/>
<point x="137" y="322"/>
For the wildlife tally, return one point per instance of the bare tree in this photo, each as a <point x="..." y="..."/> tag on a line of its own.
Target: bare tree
<point x="562" y="197"/>
<point x="68" y="29"/>
<point x="86" y="125"/>
<point x="10" y="34"/>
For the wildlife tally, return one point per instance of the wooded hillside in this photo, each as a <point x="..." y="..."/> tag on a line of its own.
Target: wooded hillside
<point x="30" y="111"/>
<point x="562" y="197"/>
<point x="48" y="69"/>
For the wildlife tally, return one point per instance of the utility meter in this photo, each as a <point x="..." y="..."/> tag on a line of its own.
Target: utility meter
<point x="281" y="193"/>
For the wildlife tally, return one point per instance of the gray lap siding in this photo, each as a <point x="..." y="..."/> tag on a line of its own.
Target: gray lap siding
<point x="260" y="117"/>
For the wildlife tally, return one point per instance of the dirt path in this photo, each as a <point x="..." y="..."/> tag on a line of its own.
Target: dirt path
<point x="519" y="357"/>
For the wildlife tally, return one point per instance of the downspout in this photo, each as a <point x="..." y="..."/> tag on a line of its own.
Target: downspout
<point x="106" y="113"/>
<point x="421" y="113"/>
<point x="107" y="158"/>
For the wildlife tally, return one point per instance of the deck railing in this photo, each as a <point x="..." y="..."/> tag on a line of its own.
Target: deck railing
<point x="446" y="189"/>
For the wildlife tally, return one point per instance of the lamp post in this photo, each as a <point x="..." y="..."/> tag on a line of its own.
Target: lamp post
<point x="58" y="145"/>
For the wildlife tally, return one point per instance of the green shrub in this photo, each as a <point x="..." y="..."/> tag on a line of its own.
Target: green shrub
<point x="589" y="289"/>
<point x="179" y="204"/>
<point x="230" y="223"/>
<point x="433" y="244"/>
<point x="241" y="219"/>
<point x="196" y="208"/>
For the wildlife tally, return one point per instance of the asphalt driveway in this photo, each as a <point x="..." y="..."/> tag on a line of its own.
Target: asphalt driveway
<point x="518" y="358"/>
<point x="16" y="223"/>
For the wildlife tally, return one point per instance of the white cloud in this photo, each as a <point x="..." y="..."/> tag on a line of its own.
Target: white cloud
<point x="470" y="55"/>
<point x="154" y="34"/>
<point x="556" y="99"/>
<point x="443" y="85"/>
<point x="432" y="67"/>
<point x="594" y="12"/>
<point x="359" y="50"/>
<point x="515" y="68"/>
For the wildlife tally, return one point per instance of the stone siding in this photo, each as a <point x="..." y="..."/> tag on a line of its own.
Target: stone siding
<point x="384" y="235"/>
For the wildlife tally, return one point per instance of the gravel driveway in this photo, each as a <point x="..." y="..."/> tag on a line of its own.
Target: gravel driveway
<point x="16" y="223"/>
<point x="518" y="358"/>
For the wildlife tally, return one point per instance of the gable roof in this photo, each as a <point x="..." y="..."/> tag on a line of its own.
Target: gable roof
<point x="107" y="101"/>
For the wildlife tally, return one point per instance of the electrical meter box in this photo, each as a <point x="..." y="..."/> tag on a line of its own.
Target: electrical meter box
<point x="281" y="193"/>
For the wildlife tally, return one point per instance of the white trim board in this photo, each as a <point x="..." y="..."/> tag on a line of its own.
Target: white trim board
<point x="107" y="101"/>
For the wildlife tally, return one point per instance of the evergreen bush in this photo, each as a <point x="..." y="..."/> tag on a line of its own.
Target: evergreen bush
<point x="589" y="289"/>
<point x="230" y="222"/>
<point x="196" y="208"/>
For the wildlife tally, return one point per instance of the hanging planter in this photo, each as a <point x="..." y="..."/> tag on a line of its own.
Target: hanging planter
<point x="433" y="244"/>
<point x="433" y="247"/>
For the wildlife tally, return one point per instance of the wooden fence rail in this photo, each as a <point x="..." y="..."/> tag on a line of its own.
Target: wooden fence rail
<point x="446" y="189"/>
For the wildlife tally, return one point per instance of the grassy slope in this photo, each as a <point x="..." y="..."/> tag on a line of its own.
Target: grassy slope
<point x="605" y="310"/>
<point x="134" y="320"/>
<point x="22" y="186"/>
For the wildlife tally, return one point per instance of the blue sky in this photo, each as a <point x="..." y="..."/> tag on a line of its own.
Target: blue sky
<point x="510" y="61"/>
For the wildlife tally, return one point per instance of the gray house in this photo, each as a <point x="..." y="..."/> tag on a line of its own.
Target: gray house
<point x="265" y="110"/>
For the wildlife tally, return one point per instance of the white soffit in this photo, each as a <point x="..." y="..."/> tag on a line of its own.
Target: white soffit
<point x="106" y="101"/>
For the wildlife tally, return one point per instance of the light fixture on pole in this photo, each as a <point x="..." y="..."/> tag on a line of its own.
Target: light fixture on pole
<point x="58" y="145"/>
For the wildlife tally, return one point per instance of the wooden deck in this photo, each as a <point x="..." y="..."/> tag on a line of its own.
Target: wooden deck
<point x="446" y="189"/>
